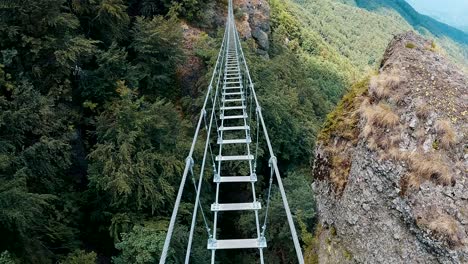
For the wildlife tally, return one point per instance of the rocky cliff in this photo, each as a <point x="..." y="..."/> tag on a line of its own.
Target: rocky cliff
<point x="253" y="21"/>
<point x="391" y="163"/>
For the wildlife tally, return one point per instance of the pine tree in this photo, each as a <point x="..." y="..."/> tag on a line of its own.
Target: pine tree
<point x="138" y="151"/>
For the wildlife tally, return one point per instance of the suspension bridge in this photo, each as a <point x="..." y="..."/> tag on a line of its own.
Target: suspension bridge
<point x="230" y="115"/>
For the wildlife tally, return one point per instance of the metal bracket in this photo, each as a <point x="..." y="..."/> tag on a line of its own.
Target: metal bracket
<point x="217" y="178"/>
<point x="271" y="160"/>
<point x="189" y="161"/>
<point x="262" y="242"/>
<point x="215" y="207"/>
<point x="212" y="244"/>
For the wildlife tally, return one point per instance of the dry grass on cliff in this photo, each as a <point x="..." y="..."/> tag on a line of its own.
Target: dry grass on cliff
<point x="446" y="135"/>
<point x="379" y="116"/>
<point x="442" y="226"/>
<point x="383" y="85"/>
<point x="380" y="124"/>
<point x="424" y="167"/>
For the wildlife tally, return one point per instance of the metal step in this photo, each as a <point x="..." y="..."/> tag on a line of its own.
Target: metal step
<point x="235" y="206"/>
<point x="237" y="107"/>
<point x="214" y="244"/>
<point x="223" y="128"/>
<point x="232" y="82"/>
<point x="231" y="179"/>
<point x="233" y="93"/>
<point x="232" y="100"/>
<point x="233" y="116"/>
<point x="232" y="78"/>
<point x="235" y="141"/>
<point x="234" y="158"/>
<point x="232" y="87"/>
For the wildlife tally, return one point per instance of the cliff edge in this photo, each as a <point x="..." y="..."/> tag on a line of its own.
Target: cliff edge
<point x="392" y="160"/>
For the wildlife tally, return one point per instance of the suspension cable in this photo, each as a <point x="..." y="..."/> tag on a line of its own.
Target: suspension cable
<point x="208" y="230"/>
<point x="268" y="199"/>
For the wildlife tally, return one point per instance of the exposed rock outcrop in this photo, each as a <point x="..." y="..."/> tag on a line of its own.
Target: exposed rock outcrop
<point x="391" y="167"/>
<point x="253" y="20"/>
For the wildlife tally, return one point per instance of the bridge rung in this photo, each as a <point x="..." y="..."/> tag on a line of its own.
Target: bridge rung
<point x="232" y="78"/>
<point x="234" y="93"/>
<point x="238" y="107"/>
<point x="214" y="244"/>
<point x="233" y="117"/>
<point x="233" y="100"/>
<point x="236" y="206"/>
<point x="227" y="179"/>
<point x="234" y="158"/>
<point x="232" y="87"/>
<point x="223" y="128"/>
<point x="235" y="141"/>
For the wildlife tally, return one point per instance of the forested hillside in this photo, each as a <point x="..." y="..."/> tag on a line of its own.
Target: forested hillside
<point x="361" y="29"/>
<point x="98" y="100"/>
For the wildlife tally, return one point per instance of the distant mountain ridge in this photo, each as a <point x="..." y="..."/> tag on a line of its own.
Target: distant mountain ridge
<point x="415" y="19"/>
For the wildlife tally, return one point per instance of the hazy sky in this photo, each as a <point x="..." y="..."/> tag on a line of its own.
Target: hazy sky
<point x="452" y="12"/>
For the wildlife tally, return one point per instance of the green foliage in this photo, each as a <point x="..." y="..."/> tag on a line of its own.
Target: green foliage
<point x="157" y="51"/>
<point x="98" y="85"/>
<point x="80" y="257"/>
<point x="60" y="109"/>
<point x="35" y="156"/>
<point x="144" y="243"/>
<point x="137" y="151"/>
<point x="6" y="258"/>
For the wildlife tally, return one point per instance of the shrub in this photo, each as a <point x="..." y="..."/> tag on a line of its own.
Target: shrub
<point x="80" y="257"/>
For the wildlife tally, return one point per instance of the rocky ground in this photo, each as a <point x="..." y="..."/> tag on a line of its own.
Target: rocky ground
<point x="391" y="179"/>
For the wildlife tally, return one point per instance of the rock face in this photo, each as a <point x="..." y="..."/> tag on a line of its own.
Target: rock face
<point x="253" y="20"/>
<point x="393" y="188"/>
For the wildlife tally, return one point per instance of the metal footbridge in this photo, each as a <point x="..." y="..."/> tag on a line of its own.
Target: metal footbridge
<point x="232" y="119"/>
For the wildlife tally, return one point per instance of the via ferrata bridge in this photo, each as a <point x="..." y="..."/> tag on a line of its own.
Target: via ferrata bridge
<point x="232" y="119"/>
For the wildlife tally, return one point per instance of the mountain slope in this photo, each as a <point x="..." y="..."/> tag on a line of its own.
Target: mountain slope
<point x="418" y="21"/>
